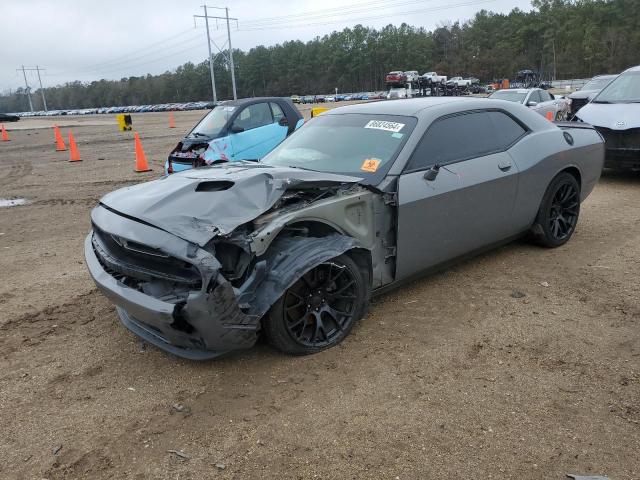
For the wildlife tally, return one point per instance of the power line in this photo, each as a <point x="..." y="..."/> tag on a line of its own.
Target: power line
<point x="333" y="12"/>
<point x="369" y="17"/>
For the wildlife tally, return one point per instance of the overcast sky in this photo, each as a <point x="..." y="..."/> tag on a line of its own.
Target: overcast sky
<point x="92" y="39"/>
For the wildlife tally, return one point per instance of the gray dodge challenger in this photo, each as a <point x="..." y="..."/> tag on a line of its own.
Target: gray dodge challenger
<point x="359" y="200"/>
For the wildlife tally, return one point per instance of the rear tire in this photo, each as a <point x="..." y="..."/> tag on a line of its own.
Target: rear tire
<point x="319" y="310"/>
<point x="559" y="211"/>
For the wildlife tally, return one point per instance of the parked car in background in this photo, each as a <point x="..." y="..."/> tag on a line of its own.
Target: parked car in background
<point x="330" y="98"/>
<point x="396" y="78"/>
<point x="536" y="99"/>
<point x="581" y="97"/>
<point x="7" y="117"/>
<point x="202" y="262"/>
<point x="244" y="129"/>
<point x="295" y="98"/>
<point x="433" y="77"/>
<point x="615" y="113"/>
<point x="411" y="76"/>
<point x="308" y="99"/>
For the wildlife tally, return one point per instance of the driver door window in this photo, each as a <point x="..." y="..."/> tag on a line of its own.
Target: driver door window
<point x="254" y="116"/>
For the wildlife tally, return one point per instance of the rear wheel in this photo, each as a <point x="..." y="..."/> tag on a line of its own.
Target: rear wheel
<point x="319" y="310"/>
<point x="558" y="214"/>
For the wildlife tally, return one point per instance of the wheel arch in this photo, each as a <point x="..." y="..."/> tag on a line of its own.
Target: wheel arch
<point x="572" y="170"/>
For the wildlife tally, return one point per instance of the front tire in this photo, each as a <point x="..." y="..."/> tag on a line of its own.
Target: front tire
<point x="319" y="310"/>
<point x="559" y="211"/>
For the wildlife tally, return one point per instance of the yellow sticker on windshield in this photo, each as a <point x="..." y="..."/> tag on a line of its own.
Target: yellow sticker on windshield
<point x="370" y="165"/>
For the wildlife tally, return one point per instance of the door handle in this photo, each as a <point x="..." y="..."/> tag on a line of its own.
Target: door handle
<point x="504" y="165"/>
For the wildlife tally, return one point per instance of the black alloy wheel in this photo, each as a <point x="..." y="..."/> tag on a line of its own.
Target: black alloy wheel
<point x="319" y="310"/>
<point x="565" y="207"/>
<point x="559" y="211"/>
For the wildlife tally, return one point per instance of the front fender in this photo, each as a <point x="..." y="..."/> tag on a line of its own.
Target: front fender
<point x="288" y="259"/>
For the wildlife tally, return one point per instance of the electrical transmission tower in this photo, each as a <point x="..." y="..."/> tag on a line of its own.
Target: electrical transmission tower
<point x="230" y="54"/>
<point x="37" y="69"/>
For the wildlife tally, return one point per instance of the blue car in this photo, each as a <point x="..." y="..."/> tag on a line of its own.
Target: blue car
<point x="244" y="129"/>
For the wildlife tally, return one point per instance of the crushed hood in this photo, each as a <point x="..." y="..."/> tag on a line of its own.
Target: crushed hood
<point x="616" y="116"/>
<point x="196" y="205"/>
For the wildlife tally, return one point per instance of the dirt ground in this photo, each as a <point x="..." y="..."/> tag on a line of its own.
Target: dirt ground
<point x="523" y="363"/>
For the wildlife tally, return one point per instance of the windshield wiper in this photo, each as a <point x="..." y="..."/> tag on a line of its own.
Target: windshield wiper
<point x="198" y="134"/>
<point x="601" y="101"/>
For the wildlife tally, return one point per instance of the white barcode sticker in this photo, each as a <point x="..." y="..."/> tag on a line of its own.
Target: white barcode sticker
<point x="384" y="125"/>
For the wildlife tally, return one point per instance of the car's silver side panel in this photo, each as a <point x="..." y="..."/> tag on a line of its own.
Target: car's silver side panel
<point x="540" y="156"/>
<point x="454" y="214"/>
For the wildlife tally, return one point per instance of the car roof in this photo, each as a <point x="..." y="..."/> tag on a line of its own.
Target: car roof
<point x="406" y="107"/>
<point x="243" y="101"/>
<point x="517" y="90"/>
<point x="633" y="69"/>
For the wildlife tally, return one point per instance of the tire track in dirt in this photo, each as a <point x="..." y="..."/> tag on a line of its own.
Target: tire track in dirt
<point x="15" y="171"/>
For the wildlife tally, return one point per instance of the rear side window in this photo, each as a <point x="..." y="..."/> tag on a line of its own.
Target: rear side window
<point x="454" y="138"/>
<point x="464" y="136"/>
<point x="254" y="116"/>
<point x="278" y="114"/>
<point x="507" y="129"/>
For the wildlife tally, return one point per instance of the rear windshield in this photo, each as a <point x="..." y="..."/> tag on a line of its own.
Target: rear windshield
<point x="354" y="144"/>
<point x="510" y="95"/>
<point x="624" y="89"/>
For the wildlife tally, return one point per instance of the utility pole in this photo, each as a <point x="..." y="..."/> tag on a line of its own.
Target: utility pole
<point x="44" y="99"/>
<point x="28" y="89"/>
<point x="233" y="70"/>
<point x="231" y="65"/>
<point x="213" y="77"/>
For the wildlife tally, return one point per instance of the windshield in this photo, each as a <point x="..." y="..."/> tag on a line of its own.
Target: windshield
<point x="624" y="89"/>
<point x="353" y="144"/>
<point x="214" y="122"/>
<point x="510" y="95"/>
<point x="596" y="83"/>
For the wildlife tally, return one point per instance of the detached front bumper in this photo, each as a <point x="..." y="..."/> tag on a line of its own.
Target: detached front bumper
<point x="197" y="324"/>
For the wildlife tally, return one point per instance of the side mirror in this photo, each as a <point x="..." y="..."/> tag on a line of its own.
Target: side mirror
<point x="283" y="122"/>
<point x="532" y="104"/>
<point x="431" y="174"/>
<point x="236" y="128"/>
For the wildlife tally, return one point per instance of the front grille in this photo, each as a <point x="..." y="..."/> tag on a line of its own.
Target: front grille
<point x="130" y="261"/>
<point x="621" y="139"/>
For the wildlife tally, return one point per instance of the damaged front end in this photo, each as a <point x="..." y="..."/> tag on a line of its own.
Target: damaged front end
<point x="197" y="281"/>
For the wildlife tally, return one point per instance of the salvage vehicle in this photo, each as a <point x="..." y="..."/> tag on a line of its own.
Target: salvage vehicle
<point x="583" y="96"/>
<point x="361" y="199"/>
<point x="537" y="99"/>
<point x="460" y="82"/>
<point x="411" y="76"/>
<point x="433" y="77"/>
<point x="615" y="113"/>
<point x="244" y="129"/>
<point x="396" y="78"/>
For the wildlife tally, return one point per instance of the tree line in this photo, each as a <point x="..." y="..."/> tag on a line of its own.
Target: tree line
<point x="558" y="38"/>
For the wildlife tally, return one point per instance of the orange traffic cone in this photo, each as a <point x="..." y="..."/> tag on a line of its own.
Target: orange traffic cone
<point x="74" y="154"/>
<point x="550" y="116"/>
<point x="172" y="122"/>
<point x="141" y="159"/>
<point x="60" y="146"/>
<point x="5" y="135"/>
